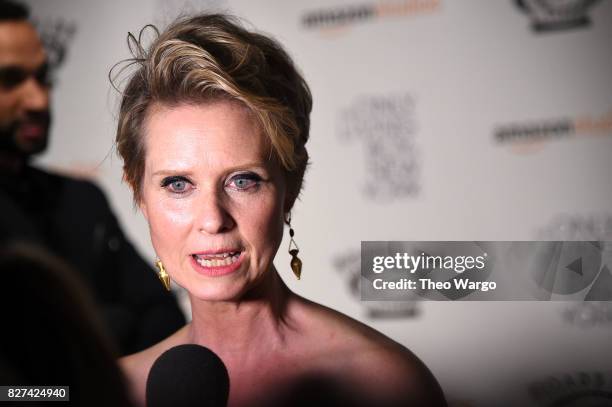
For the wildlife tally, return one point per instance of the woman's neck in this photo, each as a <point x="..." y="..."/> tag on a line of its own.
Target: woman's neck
<point x="238" y="330"/>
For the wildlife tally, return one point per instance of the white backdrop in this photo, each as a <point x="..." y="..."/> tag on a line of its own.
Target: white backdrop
<point x="410" y="104"/>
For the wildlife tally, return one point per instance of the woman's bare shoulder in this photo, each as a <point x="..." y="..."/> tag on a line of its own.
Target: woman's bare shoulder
<point x="383" y="368"/>
<point x="340" y="332"/>
<point x="394" y="374"/>
<point x="136" y="366"/>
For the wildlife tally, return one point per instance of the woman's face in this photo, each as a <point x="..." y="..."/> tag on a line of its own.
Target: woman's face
<point x="212" y="196"/>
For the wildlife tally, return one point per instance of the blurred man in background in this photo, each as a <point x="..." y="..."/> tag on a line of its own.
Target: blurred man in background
<point x="69" y="217"/>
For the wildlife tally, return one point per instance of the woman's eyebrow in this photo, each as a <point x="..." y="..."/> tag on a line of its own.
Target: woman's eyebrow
<point x="259" y="164"/>
<point x="171" y="172"/>
<point x="253" y="165"/>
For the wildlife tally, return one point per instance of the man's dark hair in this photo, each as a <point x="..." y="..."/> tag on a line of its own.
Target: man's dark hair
<point x="9" y="10"/>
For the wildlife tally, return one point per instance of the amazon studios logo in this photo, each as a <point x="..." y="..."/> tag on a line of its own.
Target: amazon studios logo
<point x="555" y="15"/>
<point x="537" y="132"/>
<point x="353" y="14"/>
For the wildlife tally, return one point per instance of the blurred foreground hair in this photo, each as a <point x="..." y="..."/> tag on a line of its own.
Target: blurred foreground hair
<point x="51" y="333"/>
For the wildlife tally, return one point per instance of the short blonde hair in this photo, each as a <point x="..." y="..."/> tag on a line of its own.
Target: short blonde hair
<point x="210" y="57"/>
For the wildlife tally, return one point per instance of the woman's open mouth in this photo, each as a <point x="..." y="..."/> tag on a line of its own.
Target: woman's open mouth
<point x="216" y="260"/>
<point x="219" y="263"/>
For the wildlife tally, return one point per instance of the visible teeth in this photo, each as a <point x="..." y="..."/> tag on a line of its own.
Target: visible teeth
<point x="217" y="256"/>
<point x="217" y="260"/>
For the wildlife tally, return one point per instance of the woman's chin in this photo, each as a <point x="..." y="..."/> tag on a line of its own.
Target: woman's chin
<point x="219" y="290"/>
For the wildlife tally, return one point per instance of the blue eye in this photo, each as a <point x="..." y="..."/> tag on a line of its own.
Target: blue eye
<point x="244" y="181"/>
<point x="177" y="185"/>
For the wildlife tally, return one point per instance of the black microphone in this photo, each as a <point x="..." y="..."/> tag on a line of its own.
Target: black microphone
<point x="188" y="375"/>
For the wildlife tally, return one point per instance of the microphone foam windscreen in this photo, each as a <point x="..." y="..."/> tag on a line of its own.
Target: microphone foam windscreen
<point x="188" y="375"/>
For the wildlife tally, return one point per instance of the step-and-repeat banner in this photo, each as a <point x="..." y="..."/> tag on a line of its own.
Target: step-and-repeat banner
<point x="434" y="120"/>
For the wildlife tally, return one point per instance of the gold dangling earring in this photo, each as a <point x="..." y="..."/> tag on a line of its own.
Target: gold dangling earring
<point x="163" y="276"/>
<point x="296" y="263"/>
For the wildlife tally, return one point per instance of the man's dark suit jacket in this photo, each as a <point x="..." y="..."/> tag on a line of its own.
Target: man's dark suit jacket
<point x="72" y="219"/>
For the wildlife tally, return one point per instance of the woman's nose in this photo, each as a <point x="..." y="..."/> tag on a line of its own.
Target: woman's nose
<point x="214" y="217"/>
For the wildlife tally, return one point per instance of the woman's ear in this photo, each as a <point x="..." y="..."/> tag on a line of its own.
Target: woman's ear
<point x="289" y="201"/>
<point x="143" y="209"/>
